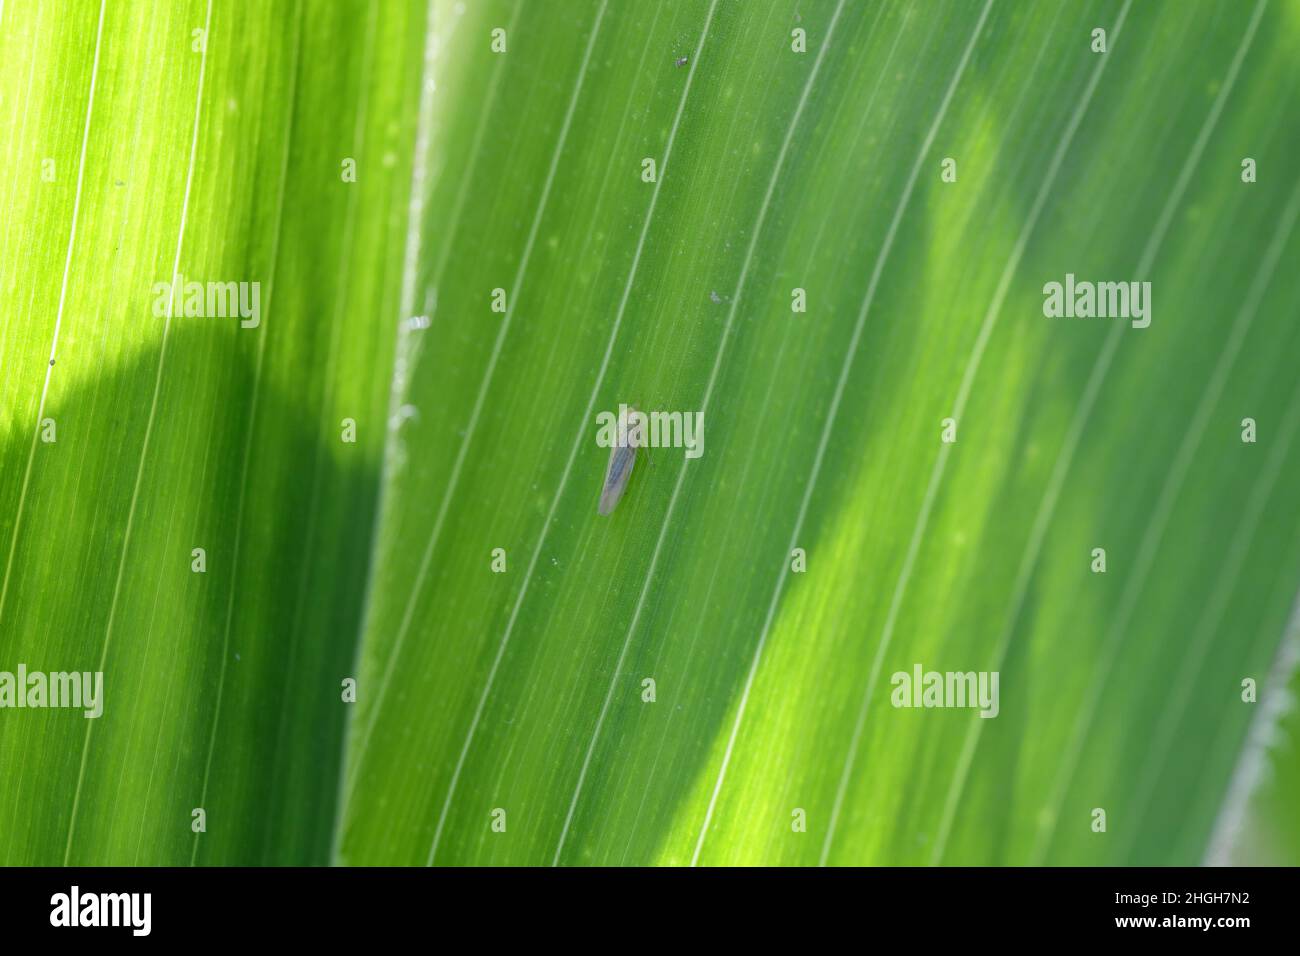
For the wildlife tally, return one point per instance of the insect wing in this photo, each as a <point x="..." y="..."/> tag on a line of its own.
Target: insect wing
<point x="621" y="460"/>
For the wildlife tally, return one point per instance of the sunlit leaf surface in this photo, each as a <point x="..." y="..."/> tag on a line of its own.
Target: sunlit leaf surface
<point x="829" y="227"/>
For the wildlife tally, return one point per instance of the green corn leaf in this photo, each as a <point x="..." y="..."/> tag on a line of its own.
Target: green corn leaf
<point x="829" y="227"/>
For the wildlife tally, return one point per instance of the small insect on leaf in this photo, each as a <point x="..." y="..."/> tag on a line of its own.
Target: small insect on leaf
<point x="683" y="60"/>
<point x="622" y="456"/>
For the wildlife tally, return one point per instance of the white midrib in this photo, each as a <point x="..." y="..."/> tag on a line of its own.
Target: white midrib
<point x="513" y="293"/>
<point x="417" y="198"/>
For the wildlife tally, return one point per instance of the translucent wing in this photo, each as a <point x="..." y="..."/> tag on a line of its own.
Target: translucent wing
<point x="621" y="460"/>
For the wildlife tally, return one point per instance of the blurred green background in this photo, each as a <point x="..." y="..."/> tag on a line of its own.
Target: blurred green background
<point x="381" y="167"/>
